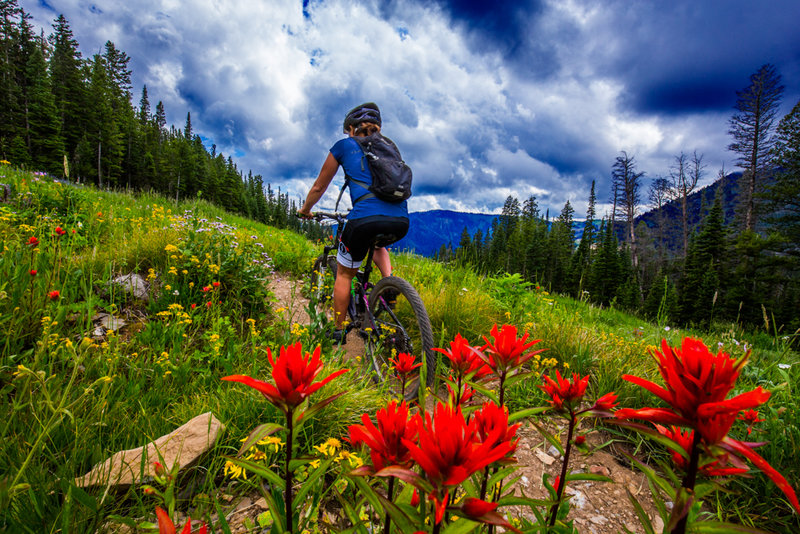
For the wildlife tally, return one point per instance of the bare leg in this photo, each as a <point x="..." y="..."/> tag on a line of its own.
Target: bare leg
<point x="382" y="260"/>
<point x="341" y="293"/>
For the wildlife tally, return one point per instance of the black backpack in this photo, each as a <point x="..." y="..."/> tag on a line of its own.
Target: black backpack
<point x="391" y="177"/>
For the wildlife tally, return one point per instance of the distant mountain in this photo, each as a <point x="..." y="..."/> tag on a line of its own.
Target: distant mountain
<point x="430" y="230"/>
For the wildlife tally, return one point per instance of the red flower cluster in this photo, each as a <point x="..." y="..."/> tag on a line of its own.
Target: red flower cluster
<point x="565" y="394"/>
<point x="32" y="272"/>
<point x="450" y="450"/>
<point x="751" y="418"/>
<point x="32" y="241"/>
<point x="385" y="441"/>
<point x="404" y="365"/>
<point x="293" y="374"/>
<point x="54" y="295"/>
<point x="491" y="418"/>
<point x="60" y="231"/>
<point x="464" y="360"/>
<point x="697" y="383"/>
<point x="713" y="466"/>
<point x="506" y="351"/>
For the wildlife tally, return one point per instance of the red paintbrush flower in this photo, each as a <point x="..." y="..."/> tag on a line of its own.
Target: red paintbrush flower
<point x="491" y="418"/>
<point x="697" y="383"/>
<point x="750" y="417"/>
<point x="32" y="241"/>
<point x="166" y="526"/>
<point x="476" y="508"/>
<point x="32" y="272"/>
<point x="565" y="393"/>
<point x="404" y="365"/>
<point x="385" y="441"/>
<point x="293" y="374"/>
<point x="709" y="465"/>
<point x="215" y="284"/>
<point x="449" y="451"/>
<point x="606" y="403"/>
<point x="54" y="295"/>
<point x="464" y="362"/>
<point x="506" y="351"/>
<point x="60" y="231"/>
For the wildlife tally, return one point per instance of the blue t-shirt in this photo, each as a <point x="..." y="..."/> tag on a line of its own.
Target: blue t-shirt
<point x="350" y="156"/>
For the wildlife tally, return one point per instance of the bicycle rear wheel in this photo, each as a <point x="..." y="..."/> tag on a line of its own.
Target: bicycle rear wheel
<point x="401" y="324"/>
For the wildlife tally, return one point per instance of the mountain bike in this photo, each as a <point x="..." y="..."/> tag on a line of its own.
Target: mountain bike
<point x="388" y="315"/>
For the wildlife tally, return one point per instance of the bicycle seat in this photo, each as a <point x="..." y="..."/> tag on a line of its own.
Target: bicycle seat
<point x="383" y="240"/>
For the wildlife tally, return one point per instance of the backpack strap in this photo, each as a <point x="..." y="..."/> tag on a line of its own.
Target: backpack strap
<point x="347" y="180"/>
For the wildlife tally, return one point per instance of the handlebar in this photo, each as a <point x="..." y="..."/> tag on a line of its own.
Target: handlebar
<point x="322" y="215"/>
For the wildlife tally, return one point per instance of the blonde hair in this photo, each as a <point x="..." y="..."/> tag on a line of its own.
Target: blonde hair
<point x="365" y="128"/>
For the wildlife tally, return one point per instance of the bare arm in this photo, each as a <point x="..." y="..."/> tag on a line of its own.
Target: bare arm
<point x="326" y="174"/>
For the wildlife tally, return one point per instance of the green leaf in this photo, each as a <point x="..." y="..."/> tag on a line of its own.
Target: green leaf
<point x="277" y="510"/>
<point x="523" y="501"/>
<point x="223" y="523"/>
<point x="653" y="477"/>
<point x="367" y="491"/>
<point x="522" y="414"/>
<point x="644" y="519"/>
<point x="485" y="392"/>
<point x="462" y="526"/>
<point x="258" y="469"/>
<point x="588" y="476"/>
<point x="260" y="432"/>
<point x="554" y="440"/>
<point x="723" y="528"/>
<point x="307" y="414"/>
<point x="308" y="484"/>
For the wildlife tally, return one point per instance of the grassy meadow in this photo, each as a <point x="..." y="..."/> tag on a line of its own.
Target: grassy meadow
<point x="73" y="394"/>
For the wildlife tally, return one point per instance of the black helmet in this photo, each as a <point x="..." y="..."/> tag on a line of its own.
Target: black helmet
<point x="368" y="112"/>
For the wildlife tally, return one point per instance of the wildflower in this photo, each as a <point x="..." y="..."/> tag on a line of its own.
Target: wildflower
<point x="209" y="304"/>
<point x="506" y="351"/>
<point x="32" y="272"/>
<point x="565" y="393"/>
<point x="329" y="447"/>
<point x="386" y="441"/>
<point x="166" y="526"/>
<point x="215" y="284"/>
<point x="697" y="384"/>
<point x="710" y="465"/>
<point x="32" y="241"/>
<point x="750" y="417"/>
<point x="234" y="471"/>
<point x="293" y="374"/>
<point x="464" y="361"/>
<point x="449" y="451"/>
<point x="492" y="420"/>
<point x="60" y="231"/>
<point x="54" y="295"/>
<point x="404" y="365"/>
<point x="606" y="403"/>
<point x="580" y="440"/>
<point x="476" y="508"/>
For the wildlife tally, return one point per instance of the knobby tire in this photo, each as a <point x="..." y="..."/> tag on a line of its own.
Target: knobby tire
<point x="406" y="328"/>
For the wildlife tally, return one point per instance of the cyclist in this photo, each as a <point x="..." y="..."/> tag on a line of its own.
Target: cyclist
<point x="369" y="216"/>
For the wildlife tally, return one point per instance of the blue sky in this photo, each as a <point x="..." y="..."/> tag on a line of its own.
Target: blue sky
<point x="484" y="99"/>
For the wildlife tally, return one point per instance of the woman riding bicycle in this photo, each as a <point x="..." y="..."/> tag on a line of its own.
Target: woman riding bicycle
<point x="369" y="216"/>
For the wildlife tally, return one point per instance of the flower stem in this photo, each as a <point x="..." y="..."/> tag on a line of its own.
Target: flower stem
<point x="562" y="480"/>
<point x="287" y="473"/>
<point x="390" y="496"/>
<point x="689" y="479"/>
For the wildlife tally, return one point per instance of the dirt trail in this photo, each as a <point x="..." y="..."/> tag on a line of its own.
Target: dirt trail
<point x="597" y="507"/>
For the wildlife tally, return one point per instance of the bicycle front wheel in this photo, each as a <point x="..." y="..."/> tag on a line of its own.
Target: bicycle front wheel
<point x="401" y="324"/>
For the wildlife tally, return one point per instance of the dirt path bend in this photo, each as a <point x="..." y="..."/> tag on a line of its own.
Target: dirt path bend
<point x="597" y="507"/>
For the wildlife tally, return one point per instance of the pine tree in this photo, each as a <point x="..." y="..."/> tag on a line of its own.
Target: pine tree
<point x="68" y="85"/>
<point x="751" y="129"/>
<point x="41" y="118"/>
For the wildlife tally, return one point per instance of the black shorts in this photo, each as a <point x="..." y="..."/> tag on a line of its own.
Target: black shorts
<point x="359" y="235"/>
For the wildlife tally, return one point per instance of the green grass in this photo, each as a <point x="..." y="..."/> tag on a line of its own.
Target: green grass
<point x="69" y="401"/>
